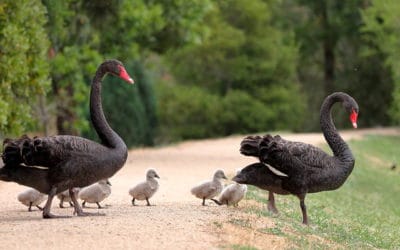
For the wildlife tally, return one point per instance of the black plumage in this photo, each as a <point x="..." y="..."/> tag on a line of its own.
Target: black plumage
<point x="57" y="163"/>
<point x="298" y="168"/>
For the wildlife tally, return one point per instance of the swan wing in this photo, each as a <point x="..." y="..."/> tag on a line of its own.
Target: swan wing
<point x="285" y="158"/>
<point x="308" y="154"/>
<point x="47" y="151"/>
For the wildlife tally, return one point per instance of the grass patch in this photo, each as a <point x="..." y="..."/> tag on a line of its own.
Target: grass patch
<point x="217" y="224"/>
<point x="240" y="247"/>
<point x="241" y="222"/>
<point x="363" y="214"/>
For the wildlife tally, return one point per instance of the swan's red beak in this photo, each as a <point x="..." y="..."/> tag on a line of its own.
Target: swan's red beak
<point x="353" y="118"/>
<point x="124" y="75"/>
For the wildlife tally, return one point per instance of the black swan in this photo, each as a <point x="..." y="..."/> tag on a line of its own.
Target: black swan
<point x="57" y="163"/>
<point x="297" y="168"/>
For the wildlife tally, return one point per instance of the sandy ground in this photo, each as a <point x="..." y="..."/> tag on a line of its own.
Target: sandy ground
<point x="175" y="221"/>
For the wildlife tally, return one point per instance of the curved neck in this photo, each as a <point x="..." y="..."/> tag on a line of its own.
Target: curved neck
<point x="339" y="147"/>
<point x="107" y="136"/>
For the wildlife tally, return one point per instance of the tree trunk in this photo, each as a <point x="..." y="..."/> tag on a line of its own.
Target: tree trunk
<point x="329" y="51"/>
<point x="64" y="110"/>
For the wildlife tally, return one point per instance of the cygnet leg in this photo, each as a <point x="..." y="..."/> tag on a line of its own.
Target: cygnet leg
<point x="98" y="205"/>
<point x="77" y="208"/>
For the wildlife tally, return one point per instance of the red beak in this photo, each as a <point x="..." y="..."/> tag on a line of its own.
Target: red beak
<point x="353" y="118"/>
<point x="124" y="75"/>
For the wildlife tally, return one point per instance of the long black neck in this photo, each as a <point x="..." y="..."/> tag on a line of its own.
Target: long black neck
<point x="107" y="136"/>
<point x="339" y="147"/>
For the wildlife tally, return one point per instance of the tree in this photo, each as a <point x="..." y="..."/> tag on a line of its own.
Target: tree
<point x="382" y="29"/>
<point x="74" y="59"/>
<point x="23" y="64"/>
<point x="336" y="55"/>
<point x="135" y="30"/>
<point x="245" y="61"/>
<point x="83" y="33"/>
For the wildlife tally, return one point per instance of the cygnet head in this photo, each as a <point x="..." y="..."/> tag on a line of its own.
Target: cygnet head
<point x="104" y="182"/>
<point x="151" y="173"/>
<point x="219" y="174"/>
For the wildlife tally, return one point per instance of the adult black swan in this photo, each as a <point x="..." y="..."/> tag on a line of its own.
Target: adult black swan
<point x="298" y="168"/>
<point x="57" y="163"/>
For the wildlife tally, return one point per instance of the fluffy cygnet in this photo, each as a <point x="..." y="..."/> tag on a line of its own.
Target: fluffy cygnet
<point x="209" y="189"/>
<point x="145" y="190"/>
<point x="232" y="194"/>
<point x="95" y="193"/>
<point x="31" y="197"/>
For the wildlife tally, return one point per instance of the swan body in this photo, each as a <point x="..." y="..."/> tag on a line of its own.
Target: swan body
<point x="303" y="168"/>
<point x="57" y="163"/>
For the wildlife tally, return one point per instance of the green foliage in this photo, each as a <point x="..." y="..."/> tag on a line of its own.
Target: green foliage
<point x="192" y="112"/>
<point x="240" y="247"/>
<point x="134" y="27"/>
<point x="363" y="213"/>
<point x="248" y="68"/>
<point x="185" y="112"/>
<point x="71" y="75"/>
<point x="358" y="66"/>
<point x="74" y="58"/>
<point x="242" y="51"/>
<point x="23" y="66"/>
<point x="255" y="65"/>
<point x="130" y="109"/>
<point x="383" y="30"/>
<point x="83" y="33"/>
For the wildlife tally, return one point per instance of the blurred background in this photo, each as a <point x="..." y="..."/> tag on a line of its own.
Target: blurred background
<point x="203" y="68"/>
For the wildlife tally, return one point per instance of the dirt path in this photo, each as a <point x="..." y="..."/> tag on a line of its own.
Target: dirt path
<point x="176" y="221"/>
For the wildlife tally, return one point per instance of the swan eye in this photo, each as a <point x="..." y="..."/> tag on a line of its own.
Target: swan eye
<point x="353" y="118"/>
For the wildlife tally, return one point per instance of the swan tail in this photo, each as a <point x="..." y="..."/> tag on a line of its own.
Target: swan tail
<point x="24" y="150"/>
<point x="12" y="150"/>
<point x="250" y="146"/>
<point x="268" y="146"/>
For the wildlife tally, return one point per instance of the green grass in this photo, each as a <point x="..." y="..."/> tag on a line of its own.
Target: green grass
<point x="363" y="214"/>
<point x="240" y="247"/>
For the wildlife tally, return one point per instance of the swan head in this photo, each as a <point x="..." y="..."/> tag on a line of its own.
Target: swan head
<point x="116" y="68"/>
<point x="248" y="173"/>
<point x="351" y="106"/>
<point x="353" y="118"/>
